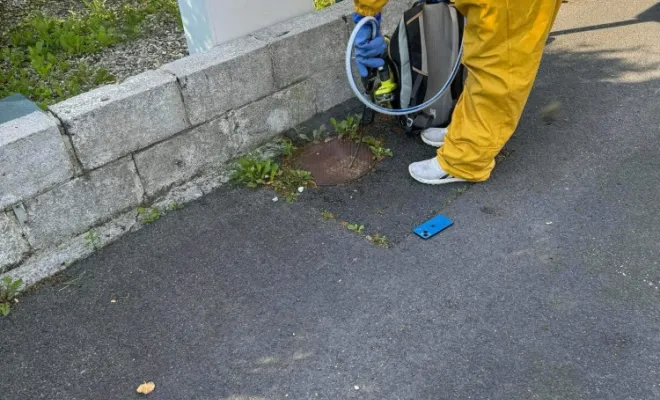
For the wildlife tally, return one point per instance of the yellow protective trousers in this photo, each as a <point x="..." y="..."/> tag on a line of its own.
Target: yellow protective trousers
<point x="503" y="45"/>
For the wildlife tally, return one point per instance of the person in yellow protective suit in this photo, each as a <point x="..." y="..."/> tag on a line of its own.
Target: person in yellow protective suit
<point x="503" y="45"/>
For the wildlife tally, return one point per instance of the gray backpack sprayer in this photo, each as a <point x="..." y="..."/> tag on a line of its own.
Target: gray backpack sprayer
<point x="423" y="77"/>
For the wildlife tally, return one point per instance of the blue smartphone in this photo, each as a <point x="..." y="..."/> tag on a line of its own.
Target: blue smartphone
<point x="433" y="226"/>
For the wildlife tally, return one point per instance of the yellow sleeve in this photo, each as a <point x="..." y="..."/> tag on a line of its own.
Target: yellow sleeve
<point x="369" y="8"/>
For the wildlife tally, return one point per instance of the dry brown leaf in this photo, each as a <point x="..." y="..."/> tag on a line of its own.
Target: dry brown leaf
<point x="146" y="388"/>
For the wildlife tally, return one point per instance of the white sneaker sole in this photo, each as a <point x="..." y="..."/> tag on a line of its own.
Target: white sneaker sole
<point x="431" y="143"/>
<point x="435" y="181"/>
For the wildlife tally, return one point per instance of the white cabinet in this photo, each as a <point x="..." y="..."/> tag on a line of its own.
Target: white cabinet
<point x="210" y="22"/>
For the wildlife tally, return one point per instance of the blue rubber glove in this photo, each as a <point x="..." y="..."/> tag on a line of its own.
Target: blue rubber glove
<point x="368" y="51"/>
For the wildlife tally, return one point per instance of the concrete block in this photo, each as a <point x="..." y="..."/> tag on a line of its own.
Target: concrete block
<point x="33" y="157"/>
<point x="214" y="179"/>
<point x="115" y="120"/>
<point x="179" y="195"/>
<point x="75" y="206"/>
<point x="306" y="46"/>
<point x="184" y="156"/>
<point x="226" y="77"/>
<point x="53" y="260"/>
<point x="262" y="120"/>
<point x="331" y="88"/>
<point x="12" y="245"/>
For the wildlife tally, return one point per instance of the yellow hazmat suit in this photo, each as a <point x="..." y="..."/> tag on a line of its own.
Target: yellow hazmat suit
<point x="503" y="45"/>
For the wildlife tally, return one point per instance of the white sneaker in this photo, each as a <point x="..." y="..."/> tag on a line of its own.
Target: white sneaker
<point x="434" y="136"/>
<point x="430" y="172"/>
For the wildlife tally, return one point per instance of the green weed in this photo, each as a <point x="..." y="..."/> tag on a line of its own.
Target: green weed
<point x="92" y="239"/>
<point x="379" y="240"/>
<point x="254" y="172"/>
<point x="102" y="76"/>
<point x="148" y="215"/>
<point x="376" y="146"/>
<point x="40" y="56"/>
<point x="5" y="309"/>
<point x="357" y="228"/>
<point x="291" y="181"/>
<point x="74" y="35"/>
<point x="288" y="147"/>
<point x="348" y="127"/>
<point x="380" y="152"/>
<point x="327" y="215"/>
<point x="8" y="291"/>
<point x="175" y="206"/>
<point x="317" y="135"/>
<point x="168" y="8"/>
<point x="371" y="141"/>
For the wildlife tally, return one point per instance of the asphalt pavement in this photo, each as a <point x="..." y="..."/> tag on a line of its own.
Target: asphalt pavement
<point x="546" y="287"/>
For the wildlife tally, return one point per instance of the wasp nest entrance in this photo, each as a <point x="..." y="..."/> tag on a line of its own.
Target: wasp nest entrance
<point x="329" y="162"/>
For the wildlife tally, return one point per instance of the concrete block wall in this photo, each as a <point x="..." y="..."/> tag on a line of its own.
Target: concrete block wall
<point x="116" y="120"/>
<point x="72" y="178"/>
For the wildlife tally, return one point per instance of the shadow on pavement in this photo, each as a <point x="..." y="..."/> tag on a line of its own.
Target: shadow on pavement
<point x="650" y="15"/>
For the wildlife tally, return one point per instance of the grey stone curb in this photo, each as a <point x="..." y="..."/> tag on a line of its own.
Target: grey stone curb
<point x="72" y="179"/>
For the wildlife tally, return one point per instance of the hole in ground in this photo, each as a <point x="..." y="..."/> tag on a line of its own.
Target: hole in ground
<point x="386" y="200"/>
<point x="335" y="162"/>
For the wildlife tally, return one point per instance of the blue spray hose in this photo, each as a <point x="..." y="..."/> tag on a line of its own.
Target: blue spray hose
<point x="366" y="101"/>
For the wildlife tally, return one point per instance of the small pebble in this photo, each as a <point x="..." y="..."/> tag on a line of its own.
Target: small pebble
<point x="356" y="387"/>
<point x="275" y="199"/>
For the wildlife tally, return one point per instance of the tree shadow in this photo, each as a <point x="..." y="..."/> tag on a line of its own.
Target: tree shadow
<point x="652" y="14"/>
